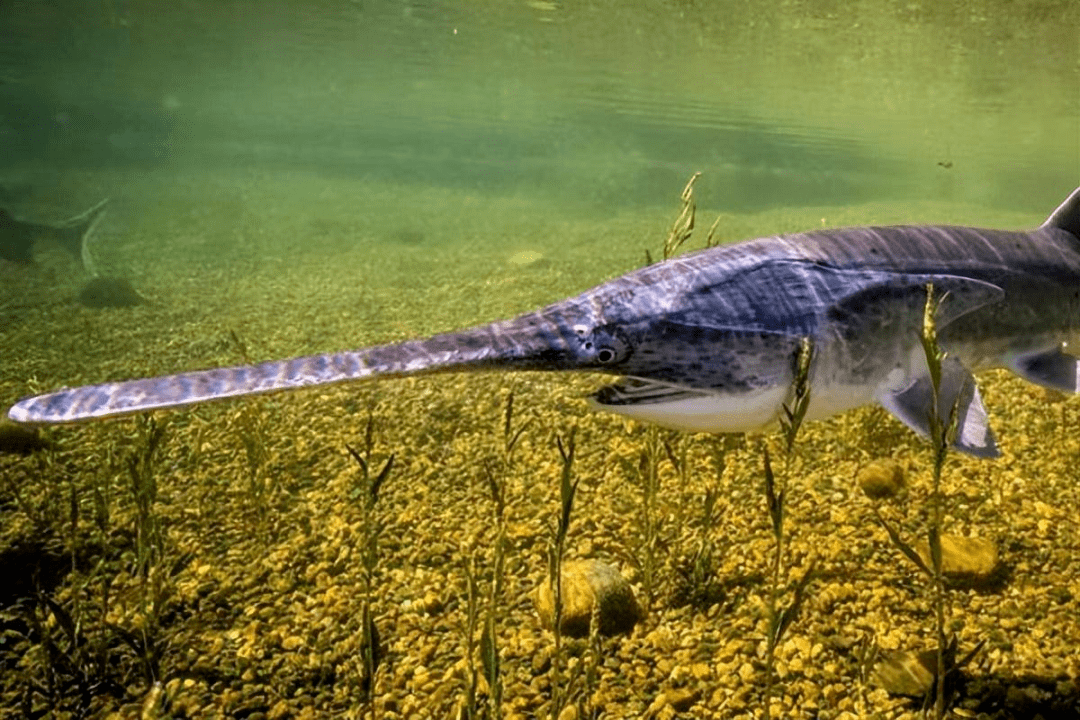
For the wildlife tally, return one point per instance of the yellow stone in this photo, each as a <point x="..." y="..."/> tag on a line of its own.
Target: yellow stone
<point x="746" y="672"/>
<point x="881" y="479"/>
<point x="905" y="673"/>
<point x="586" y="583"/>
<point x="701" y="671"/>
<point x="280" y="710"/>
<point x="963" y="556"/>
<point x="569" y="713"/>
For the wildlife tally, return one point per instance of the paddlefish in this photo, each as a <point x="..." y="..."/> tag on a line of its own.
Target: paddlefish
<point x="709" y="341"/>
<point x="17" y="238"/>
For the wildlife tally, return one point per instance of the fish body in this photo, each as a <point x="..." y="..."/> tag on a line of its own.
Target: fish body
<point x="17" y="238"/>
<point x="709" y="341"/>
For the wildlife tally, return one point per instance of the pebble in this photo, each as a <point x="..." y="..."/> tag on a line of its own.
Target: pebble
<point x="747" y="672"/>
<point x="881" y="479"/>
<point x="677" y="700"/>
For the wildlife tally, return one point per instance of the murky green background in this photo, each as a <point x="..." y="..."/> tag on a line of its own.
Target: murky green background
<point x="598" y="103"/>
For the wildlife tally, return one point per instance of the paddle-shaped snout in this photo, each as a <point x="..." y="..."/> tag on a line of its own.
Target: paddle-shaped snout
<point x="555" y="338"/>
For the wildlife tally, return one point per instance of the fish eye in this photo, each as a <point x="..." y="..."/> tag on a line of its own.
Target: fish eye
<point x="606" y="346"/>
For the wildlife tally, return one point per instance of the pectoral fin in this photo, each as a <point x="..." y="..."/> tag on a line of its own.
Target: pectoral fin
<point x="913" y="403"/>
<point x="1053" y="369"/>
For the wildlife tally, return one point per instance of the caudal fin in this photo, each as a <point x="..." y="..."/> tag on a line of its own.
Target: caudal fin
<point x="77" y="231"/>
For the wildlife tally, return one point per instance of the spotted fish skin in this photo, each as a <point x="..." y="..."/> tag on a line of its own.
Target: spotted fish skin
<point x="708" y="341"/>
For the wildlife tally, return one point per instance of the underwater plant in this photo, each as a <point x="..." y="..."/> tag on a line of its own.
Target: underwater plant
<point x="151" y="552"/>
<point x="497" y="483"/>
<point x="943" y="429"/>
<point x="365" y="490"/>
<point x="89" y="653"/>
<point x="251" y="431"/>
<point x="941" y="438"/>
<point x="649" y="522"/>
<point x="496" y="473"/>
<point x="469" y="707"/>
<point x="683" y="226"/>
<point x="141" y="463"/>
<point x="568" y="485"/>
<point x="88" y="623"/>
<point x="779" y="618"/>
<point x="74" y="659"/>
<point x="696" y="582"/>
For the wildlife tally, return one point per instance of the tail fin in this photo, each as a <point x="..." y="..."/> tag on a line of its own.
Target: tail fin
<point x="77" y="231"/>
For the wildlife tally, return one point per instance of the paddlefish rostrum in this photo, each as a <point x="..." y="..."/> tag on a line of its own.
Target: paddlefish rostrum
<point x="709" y="341"/>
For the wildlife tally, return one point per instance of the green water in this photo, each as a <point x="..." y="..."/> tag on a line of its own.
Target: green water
<point x="601" y="103"/>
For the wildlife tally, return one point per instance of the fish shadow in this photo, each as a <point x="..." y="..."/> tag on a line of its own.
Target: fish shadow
<point x="1021" y="697"/>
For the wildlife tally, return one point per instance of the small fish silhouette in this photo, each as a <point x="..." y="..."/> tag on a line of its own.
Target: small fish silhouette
<point x="17" y="238"/>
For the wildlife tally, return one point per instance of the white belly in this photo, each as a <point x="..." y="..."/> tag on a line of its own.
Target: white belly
<point x="710" y="412"/>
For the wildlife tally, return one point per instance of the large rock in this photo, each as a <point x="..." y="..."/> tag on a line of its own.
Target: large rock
<point x="586" y="583"/>
<point x="963" y="558"/>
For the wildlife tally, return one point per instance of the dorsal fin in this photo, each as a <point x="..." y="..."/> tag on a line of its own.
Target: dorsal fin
<point x="1067" y="216"/>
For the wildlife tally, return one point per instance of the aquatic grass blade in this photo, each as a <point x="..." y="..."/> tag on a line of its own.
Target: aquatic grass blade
<point x="774" y="499"/>
<point x="790" y="613"/>
<point x="381" y="477"/>
<point x="567" y="485"/>
<point x="670" y="452"/>
<point x="683" y="227"/>
<point x="359" y="459"/>
<point x="907" y="550"/>
<point x="935" y="549"/>
<point x="489" y="654"/>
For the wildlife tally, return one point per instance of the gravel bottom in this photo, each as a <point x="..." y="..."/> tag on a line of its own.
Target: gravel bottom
<point x="236" y="587"/>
